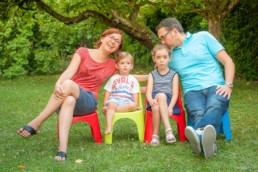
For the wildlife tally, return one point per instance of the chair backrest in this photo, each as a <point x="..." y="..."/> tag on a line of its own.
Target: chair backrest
<point x="179" y="104"/>
<point x="140" y="96"/>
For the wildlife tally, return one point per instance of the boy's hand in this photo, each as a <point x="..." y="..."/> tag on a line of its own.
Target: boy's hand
<point x="104" y="109"/>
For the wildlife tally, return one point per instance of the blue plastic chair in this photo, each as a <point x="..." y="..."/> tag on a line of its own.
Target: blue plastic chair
<point x="225" y="126"/>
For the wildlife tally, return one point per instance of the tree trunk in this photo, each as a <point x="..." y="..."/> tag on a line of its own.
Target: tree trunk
<point x="215" y="27"/>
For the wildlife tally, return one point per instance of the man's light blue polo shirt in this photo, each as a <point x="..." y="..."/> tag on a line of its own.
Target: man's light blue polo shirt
<point x="195" y="61"/>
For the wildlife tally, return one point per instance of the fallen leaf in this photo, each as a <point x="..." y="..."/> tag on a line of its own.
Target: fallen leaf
<point x="78" y="161"/>
<point x="21" y="167"/>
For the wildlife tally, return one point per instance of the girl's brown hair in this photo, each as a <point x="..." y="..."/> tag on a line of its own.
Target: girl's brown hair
<point x="160" y="47"/>
<point x="109" y="32"/>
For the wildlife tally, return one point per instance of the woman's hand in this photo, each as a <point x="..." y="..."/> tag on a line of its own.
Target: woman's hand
<point x="58" y="91"/>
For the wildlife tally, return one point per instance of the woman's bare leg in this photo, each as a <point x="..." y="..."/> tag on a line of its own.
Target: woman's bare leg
<point x="69" y="88"/>
<point x="64" y="122"/>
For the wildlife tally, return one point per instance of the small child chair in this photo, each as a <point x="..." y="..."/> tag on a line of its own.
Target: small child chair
<point x="93" y="121"/>
<point x="137" y="116"/>
<point x="224" y="128"/>
<point x="178" y="116"/>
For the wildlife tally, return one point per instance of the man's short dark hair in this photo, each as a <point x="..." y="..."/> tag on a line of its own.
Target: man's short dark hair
<point x="169" y="24"/>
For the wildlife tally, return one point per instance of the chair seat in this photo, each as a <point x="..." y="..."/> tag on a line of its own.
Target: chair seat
<point x="93" y="121"/>
<point x="136" y="116"/>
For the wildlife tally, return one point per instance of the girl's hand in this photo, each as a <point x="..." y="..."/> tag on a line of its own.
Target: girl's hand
<point x="170" y="111"/>
<point x="153" y="102"/>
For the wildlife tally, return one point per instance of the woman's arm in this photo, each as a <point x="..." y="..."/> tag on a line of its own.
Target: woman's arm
<point x="71" y="69"/>
<point x="141" y="78"/>
<point x="67" y="74"/>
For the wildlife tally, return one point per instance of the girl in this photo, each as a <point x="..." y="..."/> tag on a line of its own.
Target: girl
<point x="162" y="93"/>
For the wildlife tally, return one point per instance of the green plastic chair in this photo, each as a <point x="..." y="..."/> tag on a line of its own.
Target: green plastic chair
<point x="137" y="116"/>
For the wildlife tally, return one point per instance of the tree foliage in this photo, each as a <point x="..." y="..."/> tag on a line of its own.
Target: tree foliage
<point x="241" y="40"/>
<point x="40" y="36"/>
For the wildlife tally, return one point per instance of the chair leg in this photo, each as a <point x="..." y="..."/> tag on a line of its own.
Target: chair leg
<point x="148" y="127"/>
<point x="226" y="126"/>
<point x="181" y="124"/>
<point x="95" y="130"/>
<point x="108" y="138"/>
<point x="140" y="127"/>
<point x="181" y="132"/>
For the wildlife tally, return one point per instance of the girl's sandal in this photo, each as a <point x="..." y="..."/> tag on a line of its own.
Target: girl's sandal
<point x="170" y="138"/>
<point x="154" y="140"/>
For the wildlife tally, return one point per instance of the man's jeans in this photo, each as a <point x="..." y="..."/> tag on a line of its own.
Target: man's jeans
<point x="205" y="107"/>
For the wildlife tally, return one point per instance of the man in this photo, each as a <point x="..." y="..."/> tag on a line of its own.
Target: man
<point x="196" y="57"/>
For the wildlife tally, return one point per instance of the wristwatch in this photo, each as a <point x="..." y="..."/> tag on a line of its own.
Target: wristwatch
<point x="229" y="84"/>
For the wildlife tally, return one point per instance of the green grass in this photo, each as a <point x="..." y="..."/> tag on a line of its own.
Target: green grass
<point x="22" y="99"/>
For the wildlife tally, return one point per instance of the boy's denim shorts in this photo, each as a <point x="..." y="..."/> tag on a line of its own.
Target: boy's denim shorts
<point x="118" y="100"/>
<point x="85" y="104"/>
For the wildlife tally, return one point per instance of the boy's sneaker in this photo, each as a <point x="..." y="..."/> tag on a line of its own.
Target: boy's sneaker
<point x="209" y="141"/>
<point x="193" y="138"/>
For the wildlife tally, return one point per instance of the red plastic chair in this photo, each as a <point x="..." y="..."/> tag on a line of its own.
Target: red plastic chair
<point x="178" y="117"/>
<point x="93" y="121"/>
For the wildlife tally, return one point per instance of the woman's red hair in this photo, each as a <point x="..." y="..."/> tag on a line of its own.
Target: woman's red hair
<point x="109" y="32"/>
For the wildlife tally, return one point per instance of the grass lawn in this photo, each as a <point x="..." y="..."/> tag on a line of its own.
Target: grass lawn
<point x="22" y="99"/>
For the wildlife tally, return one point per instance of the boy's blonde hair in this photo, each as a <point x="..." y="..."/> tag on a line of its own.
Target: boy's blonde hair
<point x="160" y="47"/>
<point x="122" y="55"/>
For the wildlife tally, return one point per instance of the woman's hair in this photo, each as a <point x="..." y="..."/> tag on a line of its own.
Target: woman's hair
<point x="109" y="32"/>
<point x="160" y="47"/>
<point x="122" y="55"/>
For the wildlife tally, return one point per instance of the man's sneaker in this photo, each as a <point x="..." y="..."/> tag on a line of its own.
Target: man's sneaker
<point x="208" y="141"/>
<point x="193" y="138"/>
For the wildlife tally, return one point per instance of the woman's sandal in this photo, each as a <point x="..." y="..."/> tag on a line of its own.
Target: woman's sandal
<point x="170" y="138"/>
<point x="30" y="131"/>
<point x="154" y="140"/>
<point x="61" y="154"/>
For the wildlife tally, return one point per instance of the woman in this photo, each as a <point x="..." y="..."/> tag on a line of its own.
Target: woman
<point x="76" y="90"/>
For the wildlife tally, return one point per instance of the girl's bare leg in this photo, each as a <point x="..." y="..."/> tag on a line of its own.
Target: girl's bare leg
<point x="162" y="101"/>
<point x="155" y="120"/>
